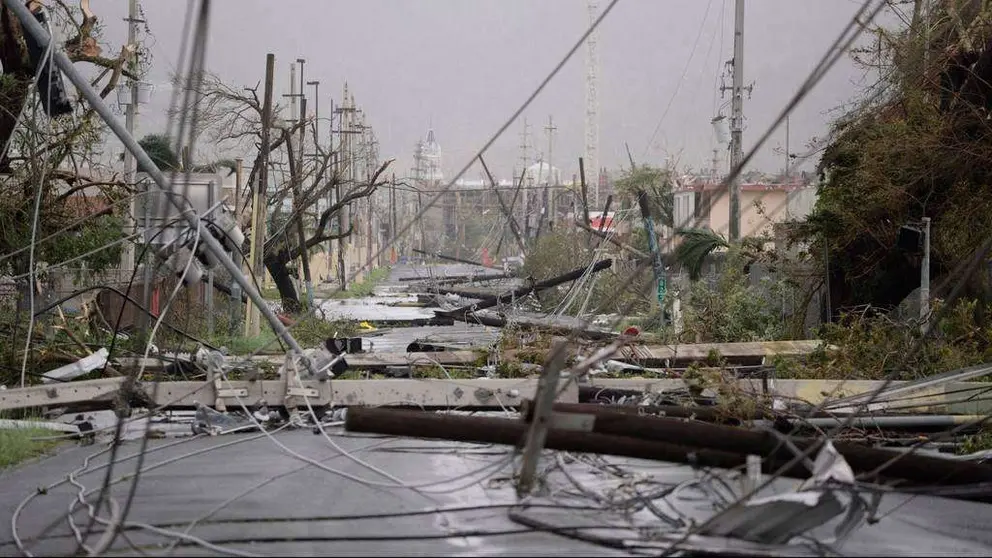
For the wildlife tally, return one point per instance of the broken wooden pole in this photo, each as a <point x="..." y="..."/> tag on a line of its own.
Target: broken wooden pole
<point x="553" y="329"/>
<point x="921" y="469"/>
<point x="524" y="291"/>
<point x="464" y="293"/>
<point x="486" y="430"/>
<point x="705" y="414"/>
<point x="708" y="413"/>
<point x="454" y="259"/>
<point x="459" y="278"/>
<point x="606" y="211"/>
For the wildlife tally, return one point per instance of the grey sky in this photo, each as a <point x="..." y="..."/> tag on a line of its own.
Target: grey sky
<point x="465" y="65"/>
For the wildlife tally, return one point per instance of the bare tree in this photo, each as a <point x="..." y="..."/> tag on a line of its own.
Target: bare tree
<point x="231" y="119"/>
<point x="49" y="151"/>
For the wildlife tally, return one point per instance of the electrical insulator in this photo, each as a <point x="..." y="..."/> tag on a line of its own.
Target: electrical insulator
<point x="225" y="228"/>
<point x="178" y="262"/>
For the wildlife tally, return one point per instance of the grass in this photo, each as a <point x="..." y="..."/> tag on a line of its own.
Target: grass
<point x="309" y="333"/>
<point x="17" y="445"/>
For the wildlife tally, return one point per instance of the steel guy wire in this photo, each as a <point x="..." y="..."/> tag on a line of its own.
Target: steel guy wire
<point x="678" y="83"/>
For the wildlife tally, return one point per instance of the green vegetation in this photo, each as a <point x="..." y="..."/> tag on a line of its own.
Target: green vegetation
<point x="560" y="252"/>
<point x="18" y="444"/>
<point x="916" y="145"/>
<point x="308" y="332"/>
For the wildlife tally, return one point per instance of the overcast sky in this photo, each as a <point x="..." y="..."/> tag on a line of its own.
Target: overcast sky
<point x="464" y="66"/>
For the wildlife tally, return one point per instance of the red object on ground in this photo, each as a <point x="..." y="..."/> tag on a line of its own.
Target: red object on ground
<point x="486" y="259"/>
<point x="632" y="331"/>
<point x="286" y="320"/>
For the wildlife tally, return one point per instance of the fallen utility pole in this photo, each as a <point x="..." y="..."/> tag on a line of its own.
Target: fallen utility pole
<point x="524" y="291"/>
<point x="554" y="329"/>
<point x="105" y="393"/>
<point x="725" y="447"/>
<point x="486" y="430"/>
<point x="917" y="468"/>
<point x="447" y="279"/>
<point x="454" y="259"/>
<point x="464" y="293"/>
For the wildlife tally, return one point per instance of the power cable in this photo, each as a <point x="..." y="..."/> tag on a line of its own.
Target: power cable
<point x="678" y="84"/>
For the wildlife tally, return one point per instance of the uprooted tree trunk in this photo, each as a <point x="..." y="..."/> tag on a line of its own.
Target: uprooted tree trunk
<point x="280" y="250"/>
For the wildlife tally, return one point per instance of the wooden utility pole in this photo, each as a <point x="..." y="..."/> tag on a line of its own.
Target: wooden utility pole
<point x="259" y="213"/>
<point x="297" y="201"/>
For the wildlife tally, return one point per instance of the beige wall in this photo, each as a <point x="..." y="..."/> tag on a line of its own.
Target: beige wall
<point x="753" y="221"/>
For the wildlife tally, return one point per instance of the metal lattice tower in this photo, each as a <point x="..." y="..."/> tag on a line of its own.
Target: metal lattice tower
<point x="592" y="103"/>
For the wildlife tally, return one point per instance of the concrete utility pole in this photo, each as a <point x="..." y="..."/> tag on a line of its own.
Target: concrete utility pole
<point x="239" y="184"/>
<point x="259" y="210"/>
<point x="552" y="182"/>
<point x="737" y="121"/>
<point x="292" y="92"/>
<point x="346" y="158"/>
<point x="130" y="169"/>
<point x="788" y="162"/>
<point x="316" y="113"/>
<point x="524" y="164"/>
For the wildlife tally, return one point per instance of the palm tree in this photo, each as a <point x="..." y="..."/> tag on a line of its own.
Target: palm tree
<point x="696" y="245"/>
